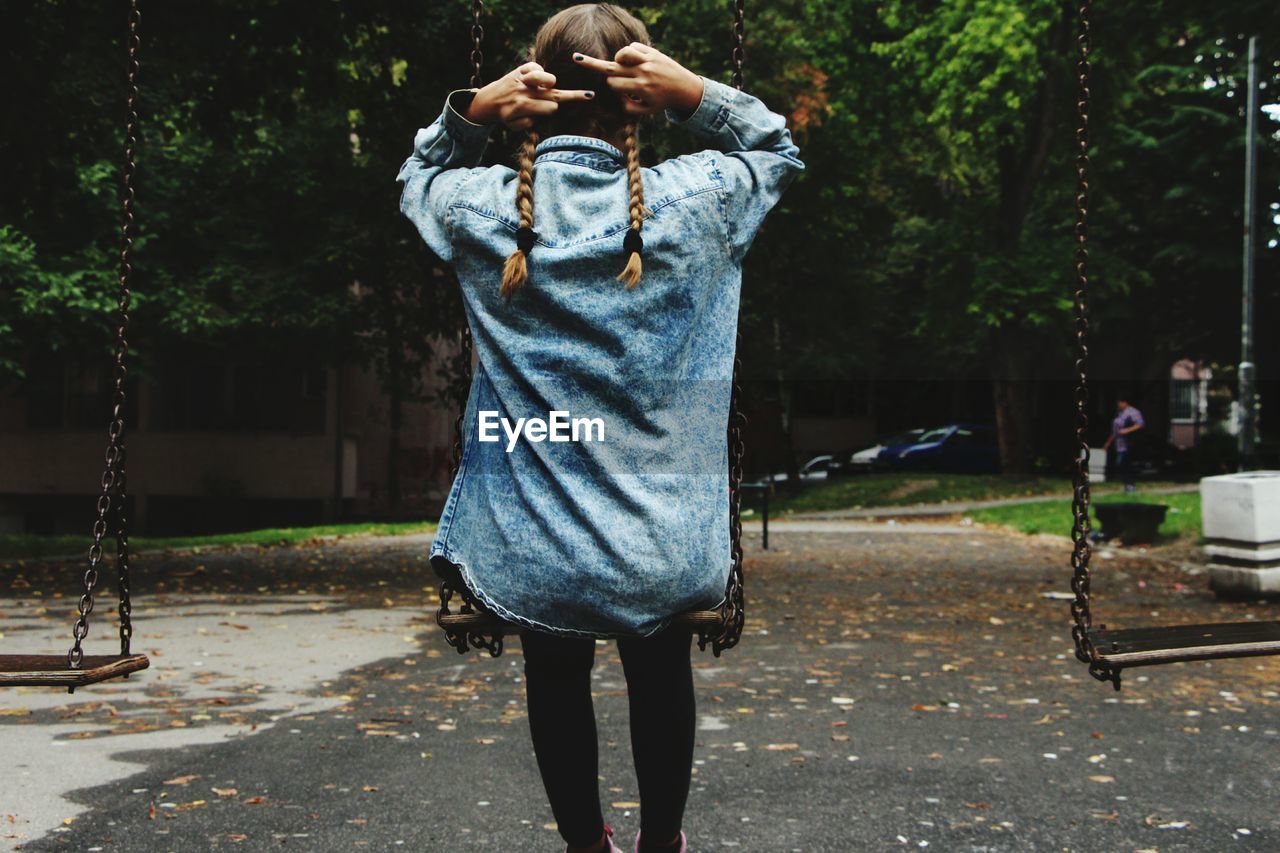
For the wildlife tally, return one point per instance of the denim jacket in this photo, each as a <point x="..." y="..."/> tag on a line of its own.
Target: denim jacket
<point x="611" y="534"/>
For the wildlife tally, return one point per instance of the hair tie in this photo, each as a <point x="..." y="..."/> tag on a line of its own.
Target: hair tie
<point x="633" y="242"/>
<point x="525" y="238"/>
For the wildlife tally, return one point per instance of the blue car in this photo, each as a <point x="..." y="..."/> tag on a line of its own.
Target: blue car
<point x="958" y="448"/>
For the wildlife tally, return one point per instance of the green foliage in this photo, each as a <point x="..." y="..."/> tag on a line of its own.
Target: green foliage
<point x="930" y="236"/>
<point x="975" y="67"/>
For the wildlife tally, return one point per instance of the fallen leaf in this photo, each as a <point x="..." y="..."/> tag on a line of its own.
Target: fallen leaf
<point x="182" y="780"/>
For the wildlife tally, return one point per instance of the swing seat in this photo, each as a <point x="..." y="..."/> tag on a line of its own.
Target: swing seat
<point x="1171" y="644"/>
<point x="53" y="670"/>
<point x="483" y="622"/>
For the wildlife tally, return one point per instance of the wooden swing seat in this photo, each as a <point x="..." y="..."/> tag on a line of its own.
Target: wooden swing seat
<point x="53" y="670"/>
<point x="484" y="622"/>
<point x="1171" y="644"/>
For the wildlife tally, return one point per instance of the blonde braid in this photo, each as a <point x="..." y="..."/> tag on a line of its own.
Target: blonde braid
<point x="631" y="147"/>
<point x="516" y="271"/>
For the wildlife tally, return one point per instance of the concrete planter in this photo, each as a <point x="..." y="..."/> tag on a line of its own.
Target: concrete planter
<point x="1241" y="524"/>
<point x="1097" y="465"/>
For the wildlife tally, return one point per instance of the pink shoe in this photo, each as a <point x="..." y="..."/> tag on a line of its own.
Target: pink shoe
<point x="683" y="848"/>
<point x="608" y="834"/>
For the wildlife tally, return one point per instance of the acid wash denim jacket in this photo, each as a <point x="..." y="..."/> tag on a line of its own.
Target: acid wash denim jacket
<point x="613" y="533"/>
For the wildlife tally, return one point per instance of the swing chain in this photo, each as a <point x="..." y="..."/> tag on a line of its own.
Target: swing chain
<point x="113" y="476"/>
<point x="739" y="35"/>
<point x="464" y="342"/>
<point x="464" y="355"/>
<point x="477" y="38"/>
<point x="733" y="616"/>
<point x="1080" y="500"/>
<point x="735" y="606"/>
<point x="463" y="640"/>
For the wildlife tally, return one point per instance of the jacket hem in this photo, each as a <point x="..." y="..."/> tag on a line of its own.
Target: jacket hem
<point x="533" y="624"/>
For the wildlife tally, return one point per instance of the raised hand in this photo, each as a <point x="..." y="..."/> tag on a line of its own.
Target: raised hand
<point x="647" y="80"/>
<point x="519" y="98"/>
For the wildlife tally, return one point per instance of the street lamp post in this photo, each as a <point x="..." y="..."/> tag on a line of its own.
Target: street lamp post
<point x="1248" y="435"/>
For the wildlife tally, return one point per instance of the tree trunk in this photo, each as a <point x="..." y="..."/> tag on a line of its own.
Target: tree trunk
<point x="784" y="409"/>
<point x="395" y="419"/>
<point x="1010" y="386"/>
<point x="1020" y="171"/>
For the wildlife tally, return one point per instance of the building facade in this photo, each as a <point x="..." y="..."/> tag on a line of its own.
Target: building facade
<point x="214" y="445"/>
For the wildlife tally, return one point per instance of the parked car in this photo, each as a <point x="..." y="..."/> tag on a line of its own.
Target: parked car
<point x="814" y="469"/>
<point x="957" y="448"/>
<point x="869" y="459"/>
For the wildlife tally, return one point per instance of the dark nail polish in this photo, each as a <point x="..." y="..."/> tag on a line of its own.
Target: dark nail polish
<point x="577" y="56"/>
<point x="591" y="95"/>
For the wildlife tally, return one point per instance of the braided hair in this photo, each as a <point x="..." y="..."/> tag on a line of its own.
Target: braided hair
<point x="516" y="270"/>
<point x="595" y="29"/>
<point x="632" y="244"/>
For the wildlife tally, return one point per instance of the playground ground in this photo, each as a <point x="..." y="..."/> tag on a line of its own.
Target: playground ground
<point x="901" y="684"/>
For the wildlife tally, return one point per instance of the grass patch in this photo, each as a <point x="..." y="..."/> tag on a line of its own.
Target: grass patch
<point x="1182" y="519"/>
<point x="31" y="546"/>
<point x="866" y="491"/>
<point x="875" y="490"/>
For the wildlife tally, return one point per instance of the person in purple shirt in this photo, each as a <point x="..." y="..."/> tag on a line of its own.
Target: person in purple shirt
<point x="1128" y="420"/>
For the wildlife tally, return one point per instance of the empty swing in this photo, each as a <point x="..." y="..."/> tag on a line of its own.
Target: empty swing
<point x="1108" y="651"/>
<point x="76" y="669"/>
<point x="473" y="625"/>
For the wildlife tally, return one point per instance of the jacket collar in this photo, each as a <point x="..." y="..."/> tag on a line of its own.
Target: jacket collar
<point x="587" y="150"/>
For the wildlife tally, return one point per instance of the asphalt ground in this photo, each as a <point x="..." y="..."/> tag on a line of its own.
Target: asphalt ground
<point x="904" y="685"/>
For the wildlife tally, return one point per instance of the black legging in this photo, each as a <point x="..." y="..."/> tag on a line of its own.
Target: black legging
<point x="562" y="723"/>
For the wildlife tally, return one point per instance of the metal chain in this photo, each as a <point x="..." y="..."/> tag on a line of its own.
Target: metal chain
<point x="113" y="476"/>
<point x="1081" y="526"/>
<point x="733" y="615"/>
<point x="464" y="355"/>
<point x="739" y="36"/>
<point x="477" y="39"/>
<point x="464" y="342"/>
<point x="462" y="640"/>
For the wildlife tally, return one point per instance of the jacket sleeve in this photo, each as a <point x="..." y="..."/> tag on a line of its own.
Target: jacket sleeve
<point x="756" y="157"/>
<point x="445" y="155"/>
